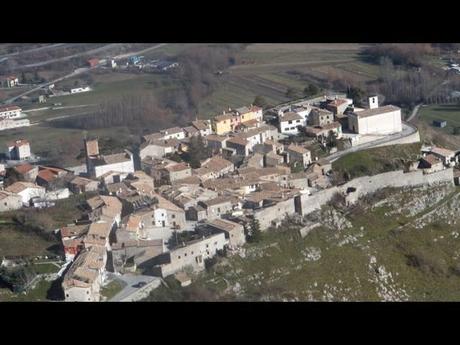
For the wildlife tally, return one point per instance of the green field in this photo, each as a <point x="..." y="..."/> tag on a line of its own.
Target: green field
<point x="376" y="160"/>
<point x="447" y="112"/>
<point x="270" y="69"/>
<point x="111" y="289"/>
<point x="19" y="238"/>
<point x="15" y="242"/>
<point x="38" y="294"/>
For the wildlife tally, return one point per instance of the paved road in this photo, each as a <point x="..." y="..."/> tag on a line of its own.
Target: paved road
<point x="40" y="86"/>
<point x="77" y="71"/>
<point x="124" y="56"/>
<point x="407" y="130"/>
<point x="48" y="46"/>
<point x="129" y="292"/>
<point x="414" y="112"/>
<point x="68" y="57"/>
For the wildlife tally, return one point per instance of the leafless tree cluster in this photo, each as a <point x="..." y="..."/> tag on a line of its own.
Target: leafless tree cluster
<point x="407" y="86"/>
<point x="197" y="74"/>
<point x="401" y="53"/>
<point x="129" y="110"/>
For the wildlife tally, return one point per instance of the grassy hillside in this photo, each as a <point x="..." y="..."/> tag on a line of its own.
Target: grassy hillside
<point x="376" y="160"/>
<point x="398" y="245"/>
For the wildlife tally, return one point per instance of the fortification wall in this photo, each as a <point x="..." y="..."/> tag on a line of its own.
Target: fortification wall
<point x="273" y="214"/>
<point x="370" y="184"/>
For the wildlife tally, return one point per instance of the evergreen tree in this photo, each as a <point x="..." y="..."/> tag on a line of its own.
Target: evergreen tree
<point x="311" y="90"/>
<point x="255" y="234"/>
<point x="197" y="152"/>
<point x="291" y="93"/>
<point x="260" y="101"/>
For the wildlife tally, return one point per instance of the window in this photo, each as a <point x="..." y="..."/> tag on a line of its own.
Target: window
<point x="215" y="243"/>
<point x="178" y="257"/>
<point x="185" y="254"/>
<point x="290" y="122"/>
<point x="173" y="216"/>
<point x="218" y="209"/>
<point x="207" y="246"/>
<point x="66" y="295"/>
<point x="192" y="252"/>
<point x="87" y="292"/>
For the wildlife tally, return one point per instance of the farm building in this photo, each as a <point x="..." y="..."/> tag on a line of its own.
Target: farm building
<point x="440" y="123"/>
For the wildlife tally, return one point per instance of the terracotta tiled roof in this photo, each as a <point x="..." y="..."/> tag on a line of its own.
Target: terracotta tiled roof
<point x="24" y="168"/>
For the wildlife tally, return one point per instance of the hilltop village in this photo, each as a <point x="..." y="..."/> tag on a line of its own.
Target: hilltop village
<point x="153" y="212"/>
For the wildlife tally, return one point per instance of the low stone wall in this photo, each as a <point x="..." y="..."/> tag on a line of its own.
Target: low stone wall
<point x="410" y="139"/>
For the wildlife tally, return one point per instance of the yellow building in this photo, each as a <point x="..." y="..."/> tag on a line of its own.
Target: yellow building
<point x="222" y="124"/>
<point x="249" y="114"/>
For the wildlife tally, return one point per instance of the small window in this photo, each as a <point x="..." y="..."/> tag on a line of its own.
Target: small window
<point x="173" y="216"/>
<point x="192" y="252"/>
<point x="207" y="246"/>
<point x="178" y="257"/>
<point x="185" y="254"/>
<point x="66" y="295"/>
<point x="87" y="292"/>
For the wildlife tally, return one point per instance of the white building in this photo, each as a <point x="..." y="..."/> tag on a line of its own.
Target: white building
<point x="173" y="133"/>
<point x="10" y="81"/>
<point x="80" y="90"/>
<point x="289" y="123"/>
<point x="158" y="148"/>
<point x="27" y="191"/>
<point x="19" y="149"/>
<point x="376" y="120"/>
<point x="118" y="162"/>
<point x="98" y="165"/>
<point x="10" y="112"/>
<point x="203" y="126"/>
<point x="10" y="123"/>
<point x="193" y="254"/>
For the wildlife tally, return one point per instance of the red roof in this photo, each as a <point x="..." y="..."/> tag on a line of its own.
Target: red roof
<point x="46" y="175"/>
<point x="23" y="168"/>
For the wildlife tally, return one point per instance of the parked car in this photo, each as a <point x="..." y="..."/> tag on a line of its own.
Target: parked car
<point x="139" y="285"/>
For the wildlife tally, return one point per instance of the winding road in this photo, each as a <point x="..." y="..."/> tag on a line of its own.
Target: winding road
<point x="79" y="70"/>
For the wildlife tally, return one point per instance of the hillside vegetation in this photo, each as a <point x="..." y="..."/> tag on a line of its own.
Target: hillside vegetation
<point x="396" y="245"/>
<point x="375" y="161"/>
